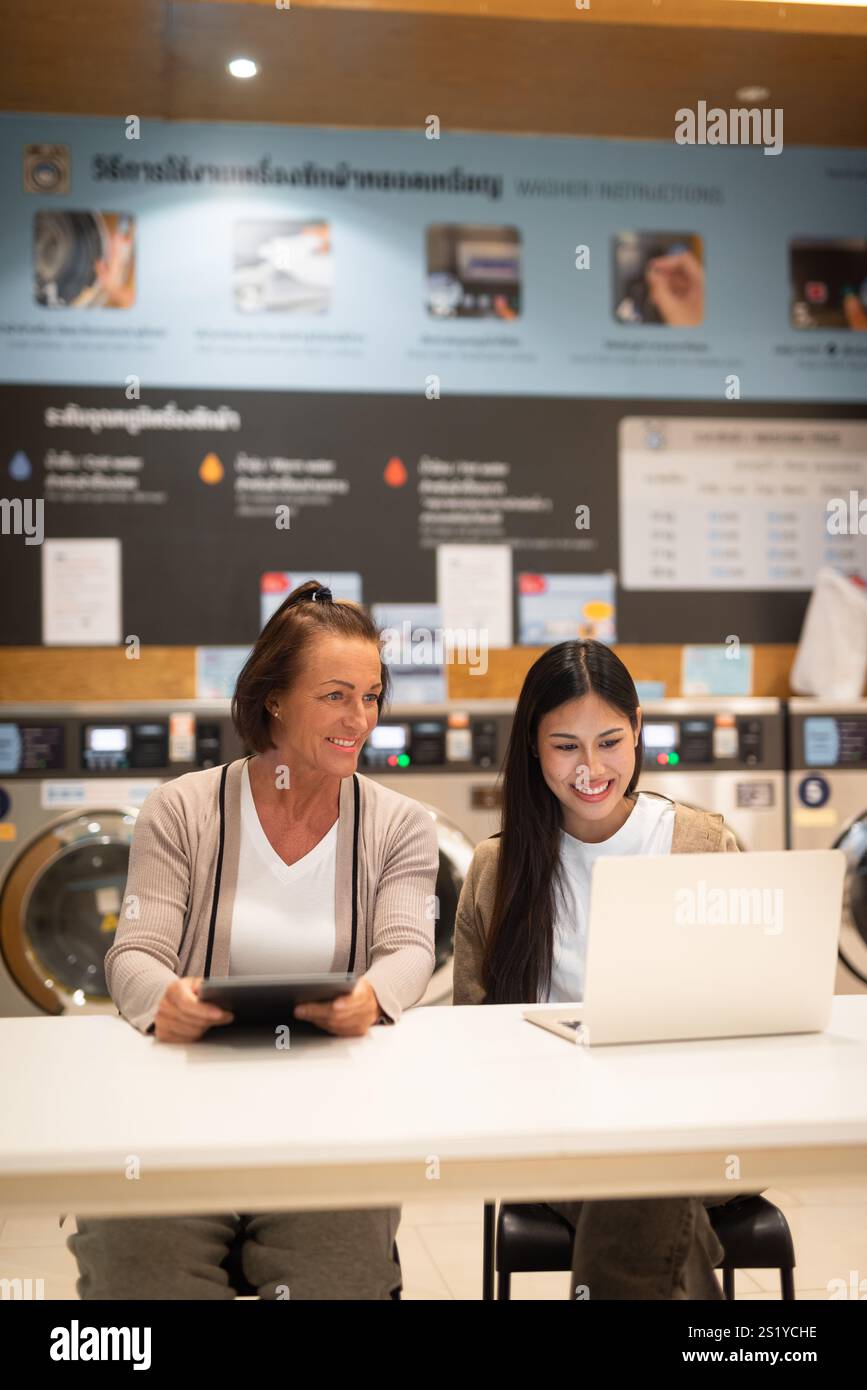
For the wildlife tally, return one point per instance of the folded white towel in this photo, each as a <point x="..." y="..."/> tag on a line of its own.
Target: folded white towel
<point x="831" y="659"/>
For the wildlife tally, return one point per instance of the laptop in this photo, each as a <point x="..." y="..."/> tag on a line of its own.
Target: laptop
<point x="686" y="946"/>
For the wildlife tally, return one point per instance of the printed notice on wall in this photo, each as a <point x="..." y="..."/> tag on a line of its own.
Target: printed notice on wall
<point x="217" y="671"/>
<point x="276" y="586"/>
<point x="717" y="670"/>
<point x="474" y="591"/>
<point x="81" y="604"/>
<point x="740" y="504"/>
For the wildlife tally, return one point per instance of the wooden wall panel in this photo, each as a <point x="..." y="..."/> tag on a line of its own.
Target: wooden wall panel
<point x="96" y="673"/>
<point x="169" y="673"/>
<point x="507" y="668"/>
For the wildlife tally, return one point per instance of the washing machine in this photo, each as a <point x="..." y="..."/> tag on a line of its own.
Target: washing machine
<point x="827" y="785"/>
<point x="721" y="753"/>
<point x="72" y="779"/>
<point x="448" y="757"/>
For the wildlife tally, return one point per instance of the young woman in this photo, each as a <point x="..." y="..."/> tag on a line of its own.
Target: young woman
<point x="286" y="861"/>
<point x="569" y="797"/>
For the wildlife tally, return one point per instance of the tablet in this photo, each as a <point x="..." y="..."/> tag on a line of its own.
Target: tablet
<point x="272" y="998"/>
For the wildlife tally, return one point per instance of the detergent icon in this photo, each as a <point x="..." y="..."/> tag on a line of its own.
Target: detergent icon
<point x="20" y="467"/>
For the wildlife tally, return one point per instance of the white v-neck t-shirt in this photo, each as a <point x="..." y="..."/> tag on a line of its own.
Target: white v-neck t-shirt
<point x="283" y="918"/>
<point x="647" y="831"/>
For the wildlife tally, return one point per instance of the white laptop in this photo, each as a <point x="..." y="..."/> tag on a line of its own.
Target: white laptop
<point x="706" y="946"/>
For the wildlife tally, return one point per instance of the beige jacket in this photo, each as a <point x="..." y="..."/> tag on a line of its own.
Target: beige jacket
<point x="183" y="872"/>
<point x="695" y="832"/>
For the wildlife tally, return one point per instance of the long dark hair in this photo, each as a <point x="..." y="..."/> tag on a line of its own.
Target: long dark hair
<point x="520" y="945"/>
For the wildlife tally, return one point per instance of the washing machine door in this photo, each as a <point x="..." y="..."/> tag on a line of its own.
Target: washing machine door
<point x="59" y="908"/>
<point x="455" y="854"/>
<point x="853" y="927"/>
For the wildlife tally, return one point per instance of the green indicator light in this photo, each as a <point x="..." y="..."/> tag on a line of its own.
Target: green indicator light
<point x="674" y="758"/>
<point x="403" y="760"/>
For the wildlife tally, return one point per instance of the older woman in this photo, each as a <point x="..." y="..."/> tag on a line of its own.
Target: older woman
<point x="250" y="869"/>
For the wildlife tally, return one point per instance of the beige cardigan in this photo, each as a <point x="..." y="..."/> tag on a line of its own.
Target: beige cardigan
<point x="694" y="832"/>
<point x="178" y="857"/>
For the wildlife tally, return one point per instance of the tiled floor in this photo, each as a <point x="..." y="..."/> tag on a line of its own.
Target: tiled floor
<point x="441" y="1251"/>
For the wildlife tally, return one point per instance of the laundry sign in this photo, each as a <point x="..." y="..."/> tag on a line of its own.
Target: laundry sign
<point x="103" y="792"/>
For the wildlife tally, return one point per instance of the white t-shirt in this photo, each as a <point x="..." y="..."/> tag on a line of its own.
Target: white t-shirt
<point x="283" y="914"/>
<point x="647" y="831"/>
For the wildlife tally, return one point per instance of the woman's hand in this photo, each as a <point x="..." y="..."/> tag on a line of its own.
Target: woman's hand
<point x="854" y="311"/>
<point x="677" y="288"/>
<point x="113" y="273"/>
<point x="182" y="1017"/>
<point x="349" y="1015"/>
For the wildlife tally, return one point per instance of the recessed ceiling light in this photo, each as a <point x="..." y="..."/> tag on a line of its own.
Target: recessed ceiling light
<point x="243" y="67"/>
<point x="753" y="93"/>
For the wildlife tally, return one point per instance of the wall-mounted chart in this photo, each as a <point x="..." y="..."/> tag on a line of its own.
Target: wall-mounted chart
<point x="719" y="504"/>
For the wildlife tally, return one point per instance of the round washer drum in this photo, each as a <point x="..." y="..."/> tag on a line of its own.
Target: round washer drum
<point x="59" y="907"/>
<point x="455" y="853"/>
<point x="66" y="250"/>
<point x="62" y="896"/>
<point x="853" y="928"/>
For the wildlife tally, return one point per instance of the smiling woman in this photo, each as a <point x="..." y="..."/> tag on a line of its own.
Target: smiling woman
<point x="570" y="797"/>
<point x="283" y="862"/>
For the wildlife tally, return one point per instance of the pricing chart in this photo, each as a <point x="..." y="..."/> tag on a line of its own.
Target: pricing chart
<point x="749" y="504"/>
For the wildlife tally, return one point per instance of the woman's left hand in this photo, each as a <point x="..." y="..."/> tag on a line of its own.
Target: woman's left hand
<point x="349" y="1015"/>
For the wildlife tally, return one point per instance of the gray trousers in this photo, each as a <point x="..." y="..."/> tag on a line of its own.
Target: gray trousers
<point x="329" y="1255"/>
<point x="643" y="1248"/>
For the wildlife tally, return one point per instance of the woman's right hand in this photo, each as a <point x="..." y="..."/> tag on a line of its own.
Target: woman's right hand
<point x="677" y="288"/>
<point x="182" y="1017"/>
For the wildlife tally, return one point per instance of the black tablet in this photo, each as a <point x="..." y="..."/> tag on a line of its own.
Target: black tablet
<point x="272" y="998"/>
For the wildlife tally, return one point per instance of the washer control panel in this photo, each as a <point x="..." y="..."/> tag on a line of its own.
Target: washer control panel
<point x="829" y="740"/>
<point x="104" y="744"/>
<point x="444" y="741"/>
<point x="712" y="742"/>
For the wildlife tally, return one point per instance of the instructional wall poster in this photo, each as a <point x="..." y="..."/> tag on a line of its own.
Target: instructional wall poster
<point x="431" y="371"/>
<point x="595" y="501"/>
<point x="279" y="258"/>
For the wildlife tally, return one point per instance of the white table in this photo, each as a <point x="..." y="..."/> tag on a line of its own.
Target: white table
<point x="494" y="1106"/>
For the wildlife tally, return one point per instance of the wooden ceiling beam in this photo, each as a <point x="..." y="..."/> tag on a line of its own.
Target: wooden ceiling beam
<point x="773" y="16"/>
<point x="384" y="69"/>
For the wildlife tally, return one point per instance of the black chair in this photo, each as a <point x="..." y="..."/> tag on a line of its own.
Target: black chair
<point x="232" y="1264"/>
<point x="525" y="1239"/>
<point x="239" y="1281"/>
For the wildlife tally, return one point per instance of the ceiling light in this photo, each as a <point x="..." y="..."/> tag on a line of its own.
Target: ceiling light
<point x="243" y="67"/>
<point x="753" y="93"/>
